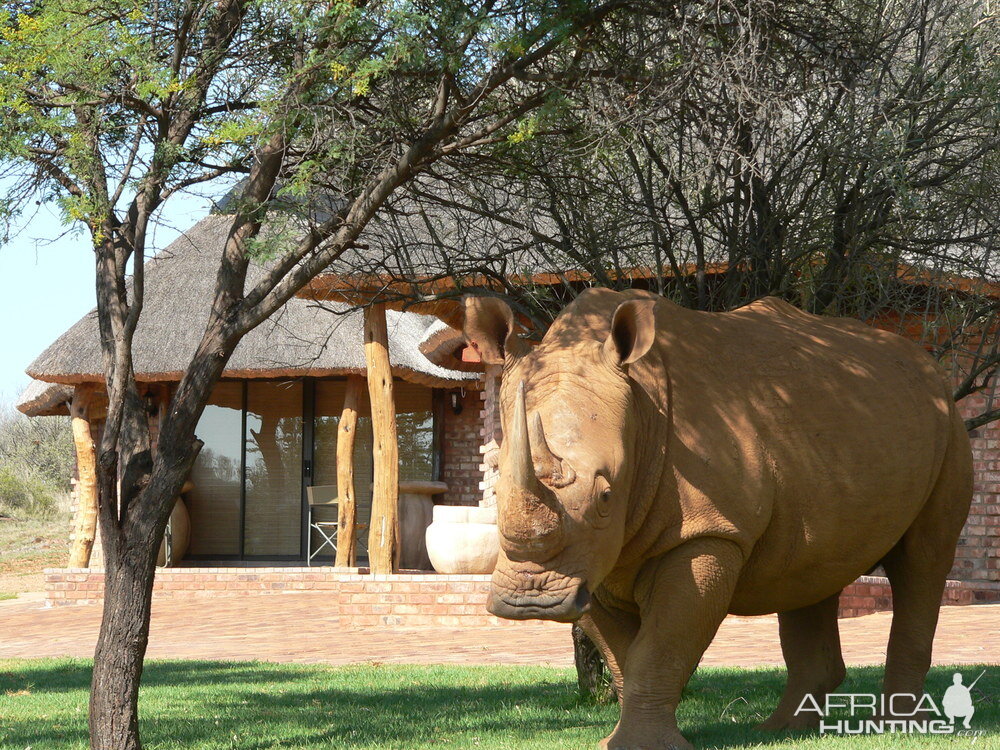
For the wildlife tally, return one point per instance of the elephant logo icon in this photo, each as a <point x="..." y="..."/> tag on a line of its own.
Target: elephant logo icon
<point x="957" y="701"/>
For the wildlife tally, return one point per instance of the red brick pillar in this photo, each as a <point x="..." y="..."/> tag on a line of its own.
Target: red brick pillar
<point x="491" y="434"/>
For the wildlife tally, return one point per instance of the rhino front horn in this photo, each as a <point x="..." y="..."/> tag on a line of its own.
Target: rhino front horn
<point x="522" y="470"/>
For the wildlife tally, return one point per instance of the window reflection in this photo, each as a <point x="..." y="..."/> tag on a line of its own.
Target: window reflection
<point x="273" y="444"/>
<point x="273" y="520"/>
<point x="214" y="503"/>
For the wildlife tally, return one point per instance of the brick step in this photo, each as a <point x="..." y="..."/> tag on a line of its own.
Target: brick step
<point x="359" y="599"/>
<point x="871" y="594"/>
<point x="405" y="599"/>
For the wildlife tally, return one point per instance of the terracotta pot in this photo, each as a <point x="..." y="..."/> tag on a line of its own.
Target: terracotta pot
<point x="463" y="540"/>
<point x="415" y="514"/>
<point x="180" y="535"/>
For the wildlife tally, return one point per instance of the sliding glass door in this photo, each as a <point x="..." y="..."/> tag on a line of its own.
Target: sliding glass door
<point x="214" y="503"/>
<point x="329" y="405"/>
<point x="265" y="440"/>
<point x="247" y="498"/>
<point x="414" y="425"/>
<point x="272" y="520"/>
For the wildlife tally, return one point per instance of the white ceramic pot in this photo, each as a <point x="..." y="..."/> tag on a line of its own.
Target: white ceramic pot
<point x="463" y="540"/>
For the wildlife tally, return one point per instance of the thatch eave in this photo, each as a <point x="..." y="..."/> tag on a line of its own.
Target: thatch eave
<point x="444" y="346"/>
<point x="411" y="376"/>
<point x="303" y="339"/>
<point x="41" y="399"/>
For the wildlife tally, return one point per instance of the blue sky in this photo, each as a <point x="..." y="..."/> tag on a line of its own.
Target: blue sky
<point x="47" y="283"/>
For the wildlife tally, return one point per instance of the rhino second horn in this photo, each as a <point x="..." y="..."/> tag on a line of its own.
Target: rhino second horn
<point x="550" y="466"/>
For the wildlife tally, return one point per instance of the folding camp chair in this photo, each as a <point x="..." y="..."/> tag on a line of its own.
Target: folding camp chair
<point x="323" y="520"/>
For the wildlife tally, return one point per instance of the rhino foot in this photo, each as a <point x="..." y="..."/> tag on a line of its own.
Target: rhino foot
<point x="661" y="738"/>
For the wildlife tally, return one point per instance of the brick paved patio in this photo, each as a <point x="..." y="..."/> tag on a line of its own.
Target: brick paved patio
<point x="298" y="627"/>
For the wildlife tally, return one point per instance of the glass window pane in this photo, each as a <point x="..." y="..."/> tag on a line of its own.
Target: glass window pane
<point x="214" y="503"/>
<point x="329" y="405"/>
<point x="415" y="427"/>
<point x="273" y="524"/>
<point x="414" y="424"/>
<point x="416" y="445"/>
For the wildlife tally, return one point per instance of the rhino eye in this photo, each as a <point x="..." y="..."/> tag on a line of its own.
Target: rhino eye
<point x="604" y="502"/>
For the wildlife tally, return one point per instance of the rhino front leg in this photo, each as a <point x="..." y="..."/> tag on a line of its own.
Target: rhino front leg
<point x="683" y="598"/>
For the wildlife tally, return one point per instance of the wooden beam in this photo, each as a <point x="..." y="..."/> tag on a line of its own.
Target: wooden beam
<point x="85" y="523"/>
<point x="347" y="512"/>
<point x="383" y="536"/>
<point x="162" y="393"/>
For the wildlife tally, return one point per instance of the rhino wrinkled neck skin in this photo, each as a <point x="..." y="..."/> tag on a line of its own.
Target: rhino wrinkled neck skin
<point x="570" y="460"/>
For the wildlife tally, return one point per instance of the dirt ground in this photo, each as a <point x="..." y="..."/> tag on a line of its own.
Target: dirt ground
<point x="27" y="547"/>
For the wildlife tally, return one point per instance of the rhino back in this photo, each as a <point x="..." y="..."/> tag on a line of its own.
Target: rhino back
<point x="811" y="441"/>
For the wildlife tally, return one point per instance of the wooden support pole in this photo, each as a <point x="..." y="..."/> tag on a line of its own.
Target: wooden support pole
<point x="85" y="523"/>
<point x="347" y="511"/>
<point x="162" y="392"/>
<point x="383" y="536"/>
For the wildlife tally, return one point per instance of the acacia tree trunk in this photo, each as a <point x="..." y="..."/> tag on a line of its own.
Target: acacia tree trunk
<point x="121" y="645"/>
<point x="146" y="489"/>
<point x="137" y="489"/>
<point x="137" y="492"/>
<point x="592" y="674"/>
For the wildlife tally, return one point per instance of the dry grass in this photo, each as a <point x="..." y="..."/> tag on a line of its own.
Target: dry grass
<point x="27" y="547"/>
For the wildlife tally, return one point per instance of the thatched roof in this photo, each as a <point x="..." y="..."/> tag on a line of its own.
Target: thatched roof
<point x="443" y="345"/>
<point x="45" y="399"/>
<point x="301" y="339"/>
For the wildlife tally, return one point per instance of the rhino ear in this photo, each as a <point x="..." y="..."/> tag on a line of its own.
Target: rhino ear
<point x="490" y="329"/>
<point x="633" y="329"/>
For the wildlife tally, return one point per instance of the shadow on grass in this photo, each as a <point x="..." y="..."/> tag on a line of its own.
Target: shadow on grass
<point x="69" y="674"/>
<point x="256" y="706"/>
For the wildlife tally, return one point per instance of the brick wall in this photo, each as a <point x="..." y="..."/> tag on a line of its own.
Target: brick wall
<point x="978" y="555"/>
<point x="360" y="600"/>
<point x="490" y="435"/>
<point x="871" y="594"/>
<point x="460" y="438"/>
<point x="365" y="600"/>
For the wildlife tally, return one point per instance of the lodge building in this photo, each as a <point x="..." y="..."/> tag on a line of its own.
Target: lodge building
<point x="270" y="434"/>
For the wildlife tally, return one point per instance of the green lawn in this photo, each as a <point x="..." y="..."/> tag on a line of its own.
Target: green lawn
<point x="200" y="705"/>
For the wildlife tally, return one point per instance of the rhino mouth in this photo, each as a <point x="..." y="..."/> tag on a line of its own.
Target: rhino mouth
<point x="563" y="606"/>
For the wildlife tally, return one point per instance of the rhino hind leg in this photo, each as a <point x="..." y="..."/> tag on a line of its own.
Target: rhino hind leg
<point x="810" y="644"/>
<point x="917" y="568"/>
<point x="612" y="631"/>
<point x="917" y="586"/>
